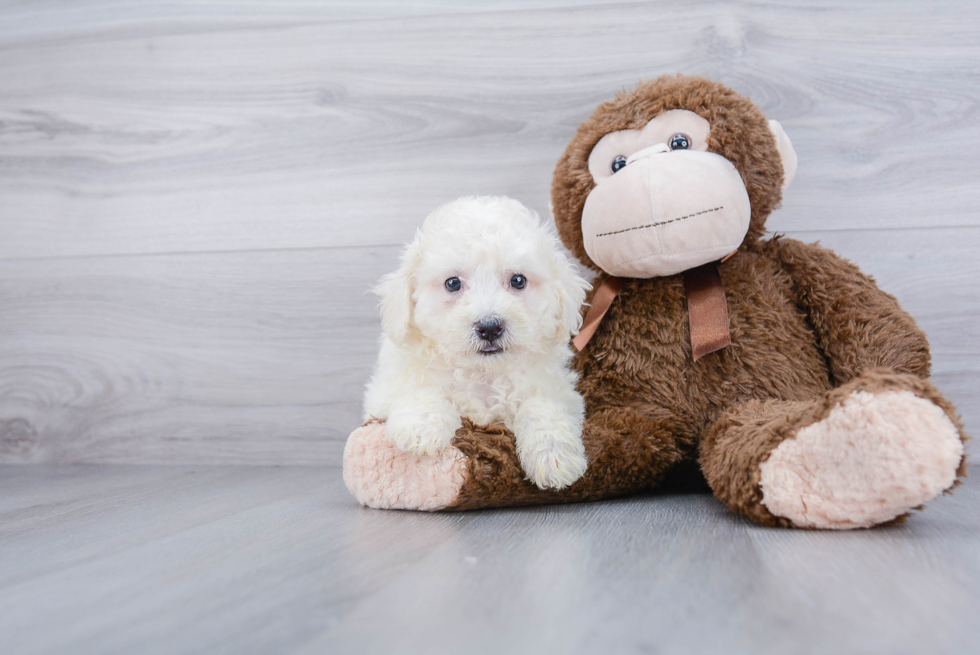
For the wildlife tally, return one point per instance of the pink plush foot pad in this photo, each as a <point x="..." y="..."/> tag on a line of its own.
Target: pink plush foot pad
<point x="381" y="476"/>
<point x="875" y="457"/>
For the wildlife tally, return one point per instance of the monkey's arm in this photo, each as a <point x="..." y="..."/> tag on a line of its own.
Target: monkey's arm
<point x="628" y="450"/>
<point x="858" y="326"/>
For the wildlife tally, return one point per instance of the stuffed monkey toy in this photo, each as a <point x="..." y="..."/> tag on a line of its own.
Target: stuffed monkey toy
<point x="775" y="369"/>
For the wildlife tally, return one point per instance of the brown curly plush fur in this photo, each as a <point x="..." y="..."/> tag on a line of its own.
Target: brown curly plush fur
<point x="807" y="328"/>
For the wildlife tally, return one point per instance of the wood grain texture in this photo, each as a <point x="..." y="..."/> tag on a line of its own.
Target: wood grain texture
<point x="150" y="135"/>
<point x="121" y="559"/>
<point x="260" y="357"/>
<point x="194" y="197"/>
<point x="254" y="357"/>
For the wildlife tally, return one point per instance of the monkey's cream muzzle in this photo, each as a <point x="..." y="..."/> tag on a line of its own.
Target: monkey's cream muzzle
<point x="665" y="212"/>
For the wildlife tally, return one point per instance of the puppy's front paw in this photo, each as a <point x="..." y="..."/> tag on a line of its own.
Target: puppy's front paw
<point x="424" y="434"/>
<point x="552" y="458"/>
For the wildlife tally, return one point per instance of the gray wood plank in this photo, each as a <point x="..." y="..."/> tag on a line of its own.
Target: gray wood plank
<point x="248" y="132"/>
<point x="140" y="567"/>
<point x="108" y="509"/>
<point x="222" y="358"/>
<point x="52" y="19"/>
<point x="261" y="357"/>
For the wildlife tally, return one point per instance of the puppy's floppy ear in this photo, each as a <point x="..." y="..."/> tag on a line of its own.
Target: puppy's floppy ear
<point x="396" y="291"/>
<point x="570" y="288"/>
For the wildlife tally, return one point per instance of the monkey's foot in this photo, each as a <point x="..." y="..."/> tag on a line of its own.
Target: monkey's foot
<point x="873" y="458"/>
<point x="382" y="476"/>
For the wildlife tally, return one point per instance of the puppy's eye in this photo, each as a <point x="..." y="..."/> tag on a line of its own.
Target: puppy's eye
<point x="679" y="142"/>
<point x="518" y="281"/>
<point x="453" y="284"/>
<point x="618" y="163"/>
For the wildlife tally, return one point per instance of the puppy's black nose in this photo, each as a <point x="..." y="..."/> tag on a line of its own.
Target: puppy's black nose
<point x="489" y="329"/>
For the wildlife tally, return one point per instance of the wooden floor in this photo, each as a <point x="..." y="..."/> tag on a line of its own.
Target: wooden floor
<point x="131" y="559"/>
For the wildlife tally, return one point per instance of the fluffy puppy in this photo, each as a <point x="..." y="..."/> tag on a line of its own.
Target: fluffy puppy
<point x="477" y="322"/>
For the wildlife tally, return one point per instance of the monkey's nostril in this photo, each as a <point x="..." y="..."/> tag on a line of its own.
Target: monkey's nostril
<point x="489" y="329"/>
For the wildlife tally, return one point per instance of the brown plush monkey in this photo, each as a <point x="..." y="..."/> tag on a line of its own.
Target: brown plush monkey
<point x="797" y="386"/>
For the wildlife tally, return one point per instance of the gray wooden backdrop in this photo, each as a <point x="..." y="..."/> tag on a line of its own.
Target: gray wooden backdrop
<point x="195" y="196"/>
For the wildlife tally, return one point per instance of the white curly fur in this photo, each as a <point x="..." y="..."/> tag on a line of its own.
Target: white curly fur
<point x="433" y="369"/>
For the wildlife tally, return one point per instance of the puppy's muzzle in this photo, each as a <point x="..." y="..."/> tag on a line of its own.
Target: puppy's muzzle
<point x="489" y="330"/>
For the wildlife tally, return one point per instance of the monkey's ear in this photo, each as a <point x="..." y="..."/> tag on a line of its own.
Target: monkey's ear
<point x="786" y="152"/>
<point x="395" y="290"/>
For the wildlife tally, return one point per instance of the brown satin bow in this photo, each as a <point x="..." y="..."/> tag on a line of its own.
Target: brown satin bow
<point x="706" y="307"/>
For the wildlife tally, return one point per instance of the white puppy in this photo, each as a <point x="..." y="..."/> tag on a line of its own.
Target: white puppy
<point x="477" y="322"/>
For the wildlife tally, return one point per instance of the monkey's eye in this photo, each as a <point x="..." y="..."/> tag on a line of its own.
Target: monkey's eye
<point x="679" y="142"/>
<point x="618" y="163"/>
<point x="518" y="281"/>
<point x="453" y="284"/>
